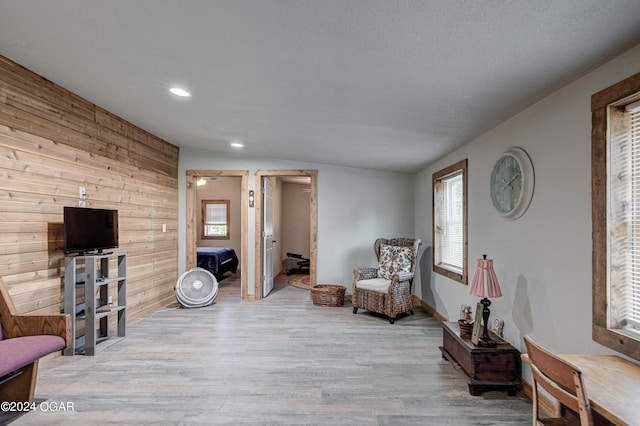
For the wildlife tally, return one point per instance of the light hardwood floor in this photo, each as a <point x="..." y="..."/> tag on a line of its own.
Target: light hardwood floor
<point x="280" y="360"/>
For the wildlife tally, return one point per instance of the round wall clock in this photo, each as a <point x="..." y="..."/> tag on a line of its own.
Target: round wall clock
<point x="512" y="181"/>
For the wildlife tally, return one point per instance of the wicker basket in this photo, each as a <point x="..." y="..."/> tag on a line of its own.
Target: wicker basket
<point x="328" y="295"/>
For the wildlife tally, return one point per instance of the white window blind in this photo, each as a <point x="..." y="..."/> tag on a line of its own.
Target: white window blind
<point x="623" y="221"/>
<point x="632" y="298"/>
<point x="449" y="222"/>
<point x="215" y="219"/>
<point x="453" y="222"/>
<point x="216" y="214"/>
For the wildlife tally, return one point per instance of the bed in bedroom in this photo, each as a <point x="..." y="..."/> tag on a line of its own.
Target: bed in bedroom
<point x="217" y="260"/>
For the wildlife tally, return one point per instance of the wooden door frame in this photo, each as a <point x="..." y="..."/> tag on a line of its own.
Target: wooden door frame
<point x="313" y="222"/>
<point x="192" y="224"/>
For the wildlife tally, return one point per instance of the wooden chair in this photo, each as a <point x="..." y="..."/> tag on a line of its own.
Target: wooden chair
<point x="388" y="295"/>
<point x="24" y="339"/>
<point x="563" y="381"/>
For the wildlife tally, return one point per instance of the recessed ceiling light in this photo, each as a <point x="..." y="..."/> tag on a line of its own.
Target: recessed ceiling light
<point x="180" y="92"/>
<point x="236" y="144"/>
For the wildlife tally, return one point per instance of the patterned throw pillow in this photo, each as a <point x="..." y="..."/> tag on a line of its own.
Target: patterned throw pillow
<point x="394" y="259"/>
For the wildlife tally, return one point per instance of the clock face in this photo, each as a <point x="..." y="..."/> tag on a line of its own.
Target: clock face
<point x="506" y="184"/>
<point x="512" y="182"/>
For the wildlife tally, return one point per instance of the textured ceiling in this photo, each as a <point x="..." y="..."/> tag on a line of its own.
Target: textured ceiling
<point x="382" y="84"/>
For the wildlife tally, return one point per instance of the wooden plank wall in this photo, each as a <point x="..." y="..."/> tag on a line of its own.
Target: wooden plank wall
<point x="52" y="142"/>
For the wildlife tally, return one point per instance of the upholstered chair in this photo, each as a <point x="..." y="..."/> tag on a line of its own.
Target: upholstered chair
<point x="386" y="289"/>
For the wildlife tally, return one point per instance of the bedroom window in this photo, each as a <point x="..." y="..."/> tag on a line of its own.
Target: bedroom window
<point x="215" y="219"/>
<point x="616" y="216"/>
<point x="450" y="222"/>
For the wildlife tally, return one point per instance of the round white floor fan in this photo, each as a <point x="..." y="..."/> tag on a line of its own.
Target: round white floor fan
<point x="197" y="287"/>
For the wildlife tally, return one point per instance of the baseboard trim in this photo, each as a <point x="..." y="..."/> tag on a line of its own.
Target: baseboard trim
<point x="429" y="309"/>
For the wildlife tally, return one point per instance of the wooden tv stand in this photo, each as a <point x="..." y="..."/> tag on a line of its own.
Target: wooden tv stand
<point x="487" y="368"/>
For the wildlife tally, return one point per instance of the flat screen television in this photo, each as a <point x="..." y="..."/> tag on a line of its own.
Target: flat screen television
<point x="89" y="230"/>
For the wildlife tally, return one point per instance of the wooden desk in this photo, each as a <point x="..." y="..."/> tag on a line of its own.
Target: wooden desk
<point x="613" y="386"/>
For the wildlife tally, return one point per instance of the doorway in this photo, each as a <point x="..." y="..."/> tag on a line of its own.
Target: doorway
<point x="265" y="175"/>
<point x="192" y="223"/>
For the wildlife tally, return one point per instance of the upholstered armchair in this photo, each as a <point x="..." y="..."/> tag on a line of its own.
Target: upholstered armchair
<point x="386" y="289"/>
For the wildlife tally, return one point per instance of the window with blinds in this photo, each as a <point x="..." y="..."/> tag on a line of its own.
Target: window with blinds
<point x="215" y="219"/>
<point x="449" y="222"/>
<point x="633" y="300"/>
<point x="452" y="222"/>
<point x="615" y="213"/>
<point x="624" y="219"/>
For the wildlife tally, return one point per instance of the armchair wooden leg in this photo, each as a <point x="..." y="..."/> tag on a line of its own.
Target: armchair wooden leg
<point x="21" y="388"/>
<point x="355" y="310"/>
<point x="392" y="320"/>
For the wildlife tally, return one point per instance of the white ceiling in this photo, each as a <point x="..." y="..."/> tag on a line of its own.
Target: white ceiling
<point x="382" y="84"/>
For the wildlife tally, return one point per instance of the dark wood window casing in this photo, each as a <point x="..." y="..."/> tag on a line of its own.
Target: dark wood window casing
<point x="606" y="107"/>
<point x="454" y="273"/>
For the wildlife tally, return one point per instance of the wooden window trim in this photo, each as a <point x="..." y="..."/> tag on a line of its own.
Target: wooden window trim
<point x="203" y="206"/>
<point x="437" y="176"/>
<point x="600" y="104"/>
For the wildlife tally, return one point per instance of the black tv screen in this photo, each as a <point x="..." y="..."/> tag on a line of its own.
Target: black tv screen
<point x="89" y="230"/>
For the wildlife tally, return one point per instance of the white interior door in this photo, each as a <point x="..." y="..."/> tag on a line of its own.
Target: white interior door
<point x="267" y="238"/>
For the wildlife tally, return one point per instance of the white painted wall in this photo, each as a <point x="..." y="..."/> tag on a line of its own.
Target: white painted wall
<point x="355" y="206"/>
<point x="543" y="259"/>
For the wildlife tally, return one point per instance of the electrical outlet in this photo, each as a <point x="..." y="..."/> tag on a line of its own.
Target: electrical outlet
<point x="83" y="196"/>
<point x="164" y="227"/>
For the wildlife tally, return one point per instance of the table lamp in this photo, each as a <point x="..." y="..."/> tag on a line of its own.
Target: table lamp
<point x="485" y="284"/>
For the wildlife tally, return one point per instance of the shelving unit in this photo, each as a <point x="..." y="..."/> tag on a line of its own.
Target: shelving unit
<point x="92" y="273"/>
